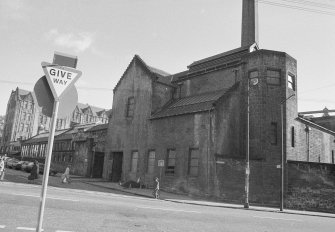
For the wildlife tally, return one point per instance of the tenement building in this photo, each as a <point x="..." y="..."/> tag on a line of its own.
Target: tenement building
<point x="194" y="129"/>
<point x="20" y="120"/>
<point x="25" y="119"/>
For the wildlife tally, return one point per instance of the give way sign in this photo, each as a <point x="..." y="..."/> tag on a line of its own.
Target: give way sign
<point x="60" y="78"/>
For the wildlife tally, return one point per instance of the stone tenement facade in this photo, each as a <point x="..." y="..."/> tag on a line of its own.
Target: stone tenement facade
<point x="25" y="119"/>
<point x="20" y="120"/>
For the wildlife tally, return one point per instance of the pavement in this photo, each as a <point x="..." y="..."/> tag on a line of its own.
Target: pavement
<point x="184" y="199"/>
<point x="79" y="182"/>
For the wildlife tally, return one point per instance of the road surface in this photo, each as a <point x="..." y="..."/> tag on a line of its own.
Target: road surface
<point x="70" y="210"/>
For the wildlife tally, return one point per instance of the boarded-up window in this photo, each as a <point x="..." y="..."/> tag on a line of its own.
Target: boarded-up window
<point x="273" y="133"/>
<point x="193" y="162"/>
<point x="134" y="161"/>
<point x="151" y="162"/>
<point x="130" y="107"/>
<point x="171" y="162"/>
<point x="273" y="77"/>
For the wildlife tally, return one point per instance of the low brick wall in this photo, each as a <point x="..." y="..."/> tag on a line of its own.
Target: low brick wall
<point x="264" y="182"/>
<point x="311" y="186"/>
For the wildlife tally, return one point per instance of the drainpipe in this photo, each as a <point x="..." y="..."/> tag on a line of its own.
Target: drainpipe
<point x="209" y="138"/>
<point x="307" y="129"/>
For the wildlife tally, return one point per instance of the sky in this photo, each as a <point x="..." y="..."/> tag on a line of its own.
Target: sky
<point x="167" y="34"/>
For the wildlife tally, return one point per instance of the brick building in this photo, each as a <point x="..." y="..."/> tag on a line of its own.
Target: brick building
<point x="195" y="122"/>
<point x="82" y="146"/>
<point x="324" y="118"/>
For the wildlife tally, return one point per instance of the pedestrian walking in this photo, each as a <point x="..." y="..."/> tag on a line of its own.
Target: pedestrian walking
<point x="156" y="189"/>
<point x="2" y="169"/>
<point x="66" y="175"/>
<point x="34" y="174"/>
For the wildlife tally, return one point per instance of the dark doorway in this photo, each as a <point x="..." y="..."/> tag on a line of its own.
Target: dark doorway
<point x="98" y="164"/>
<point x="117" y="166"/>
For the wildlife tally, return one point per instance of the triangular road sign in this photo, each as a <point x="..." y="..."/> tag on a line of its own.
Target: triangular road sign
<point x="60" y="78"/>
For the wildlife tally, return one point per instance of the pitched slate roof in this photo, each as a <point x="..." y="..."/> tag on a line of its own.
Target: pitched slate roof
<point x="191" y="104"/>
<point x="44" y="136"/>
<point x="312" y="124"/>
<point x="219" y="61"/>
<point x="235" y="52"/>
<point x="95" y="110"/>
<point x="158" y="71"/>
<point x="99" y="127"/>
<point x="161" y="75"/>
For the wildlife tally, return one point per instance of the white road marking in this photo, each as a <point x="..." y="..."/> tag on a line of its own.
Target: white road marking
<point x="2" y="226"/>
<point x="63" y="231"/>
<point x="286" y="219"/>
<point x="54" y="198"/>
<point x="26" y="228"/>
<point x="176" y="210"/>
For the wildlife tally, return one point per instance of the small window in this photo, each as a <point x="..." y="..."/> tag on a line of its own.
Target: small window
<point x="291" y="81"/>
<point x="171" y="162"/>
<point x="273" y="77"/>
<point x="253" y="77"/>
<point x="193" y="162"/>
<point x="130" y="107"/>
<point x="151" y="161"/>
<point x="292" y="137"/>
<point x="26" y="128"/>
<point x="333" y="158"/>
<point x="273" y="133"/>
<point x="134" y="160"/>
<point x="253" y="74"/>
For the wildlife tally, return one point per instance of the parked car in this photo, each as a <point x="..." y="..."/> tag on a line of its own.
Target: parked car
<point x="17" y="165"/>
<point x="11" y="162"/>
<point x="27" y="166"/>
<point x="52" y="171"/>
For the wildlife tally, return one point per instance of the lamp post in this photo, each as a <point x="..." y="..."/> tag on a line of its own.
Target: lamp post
<point x="282" y="152"/>
<point x="253" y="81"/>
<point x="247" y="165"/>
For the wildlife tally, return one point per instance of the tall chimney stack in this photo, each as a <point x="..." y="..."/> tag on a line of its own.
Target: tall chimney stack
<point x="249" y="22"/>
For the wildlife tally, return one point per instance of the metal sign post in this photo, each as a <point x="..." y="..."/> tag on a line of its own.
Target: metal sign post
<point x="61" y="81"/>
<point x="160" y="165"/>
<point x="47" y="166"/>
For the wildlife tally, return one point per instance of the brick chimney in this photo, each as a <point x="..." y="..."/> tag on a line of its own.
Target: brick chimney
<point x="249" y="22"/>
